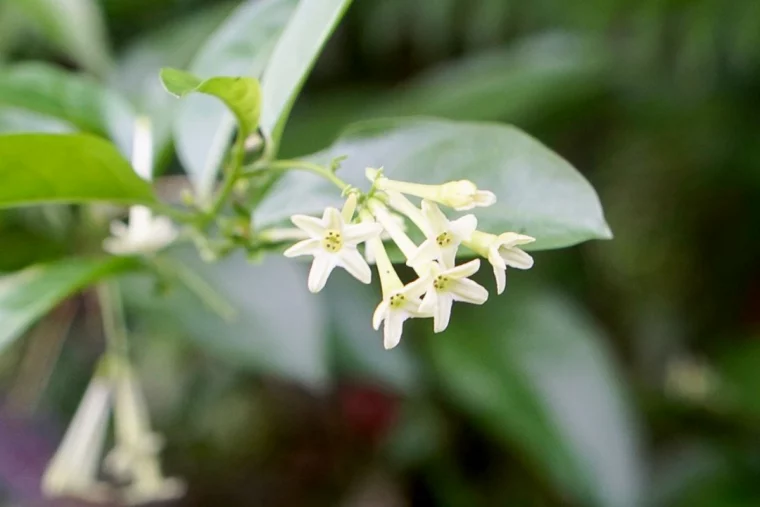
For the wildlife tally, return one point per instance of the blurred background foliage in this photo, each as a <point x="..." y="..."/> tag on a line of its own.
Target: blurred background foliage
<point x="617" y="373"/>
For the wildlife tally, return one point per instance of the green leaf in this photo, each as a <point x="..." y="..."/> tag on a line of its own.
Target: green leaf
<point x="521" y="83"/>
<point x="534" y="373"/>
<point x="14" y="121"/>
<point x="239" y="47"/>
<point x="76" y="99"/>
<point x="27" y="295"/>
<point x="75" y="26"/>
<point x="538" y="192"/>
<point x="263" y="336"/>
<point x="292" y="59"/>
<point x="39" y="168"/>
<point x="241" y="94"/>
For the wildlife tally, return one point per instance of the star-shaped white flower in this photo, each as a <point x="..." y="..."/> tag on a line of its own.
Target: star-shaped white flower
<point x="333" y="243"/>
<point x="144" y="234"/>
<point x="397" y="307"/>
<point x="502" y="251"/>
<point x="449" y="285"/>
<point x="443" y="236"/>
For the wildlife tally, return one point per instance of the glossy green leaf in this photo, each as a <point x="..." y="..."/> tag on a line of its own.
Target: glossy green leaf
<point x="535" y="373"/>
<point x="241" y="46"/>
<point x="27" y="295"/>
<point x="241" y="94"/>
<point x="74" y="98"/>
<point x="40" y="168"/>
<point x="263" y="335"/>
<point x="538" y="192"/>
<point x="76" y="27"/>
<point x="292" y="59"/>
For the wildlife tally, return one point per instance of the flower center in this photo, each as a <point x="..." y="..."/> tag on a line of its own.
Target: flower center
<point x="333" y="241"/>
<point x="397" y="301"/>
<point x="444" y="239"/>
<point x="441" y="283"/>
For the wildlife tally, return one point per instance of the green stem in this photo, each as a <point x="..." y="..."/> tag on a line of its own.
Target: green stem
<point x="233" y="174"/>
<point x="114" y="324"/>
<point x="198" y="286"/>
<point x="302" y="165"/>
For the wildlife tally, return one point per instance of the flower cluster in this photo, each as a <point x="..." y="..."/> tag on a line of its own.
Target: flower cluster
<point x="334" y="239"/>
<point x="130" y="472"/>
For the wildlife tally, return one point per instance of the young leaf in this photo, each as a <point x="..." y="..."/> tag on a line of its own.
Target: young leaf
<point x="534" y="373"/>
<point x="239" y="47"/>
<point x="40" y="168"/>
<point x="60" y="94"/>
<point x="241" y="94"/>
<point x="27" y="295"/>
<point x="538" y="193"/>
<point x="295" y="54"/>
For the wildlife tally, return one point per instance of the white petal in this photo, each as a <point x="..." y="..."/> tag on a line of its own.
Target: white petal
<point x="516" y="258"/>
<point x="510" y="239"/>
<point x="359" y="233"/>
<point x="352" y="261"/>
<point x="449" y="256"/>
<point x="501" y="279"/>
<point x="436" y="219"/>
<point x="467" y="291"/>
<point x="442" y="312"/>
<point x="118" y="228"/>
<point x="499" y="271"/>
<point x="305" y="247"/>
<point x="320" y="270"/>
<point x="465" y="270"/>
<point x="463" y="227"/>
<point x="379" y="315"/>
<point x="332" y="219"/>
<point x="426" y="252"/>
<point x="484" y="198"/>
<point x="429" y="302"/>
<point x="312" y="225"/>
<point x="417" y="288"/>
<point x="394" y="325"/>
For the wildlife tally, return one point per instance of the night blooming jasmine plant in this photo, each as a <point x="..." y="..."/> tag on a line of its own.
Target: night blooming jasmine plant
<point x="333" y="241"/>
<point x="419" y="226"/>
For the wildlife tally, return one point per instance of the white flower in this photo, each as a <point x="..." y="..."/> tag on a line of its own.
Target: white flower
<point x="333" y="243"/>
<point x="134" y="460"/>
<point x="145" y="233"/>
<point x="460" y="195"/>
<point x="464" y="194"/>
<point x="451" y="285"/>
<point x="397" y="307"/>
<point x="443" y="236"/>
<point x="502" y="251"/>
<point x="73" y="471"/>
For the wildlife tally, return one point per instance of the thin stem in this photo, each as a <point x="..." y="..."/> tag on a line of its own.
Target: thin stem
<point x="198" y="286"/>
<point x="114" y="324"/>
<point x="233" y="174"/>
<point x="302" y="165"/>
